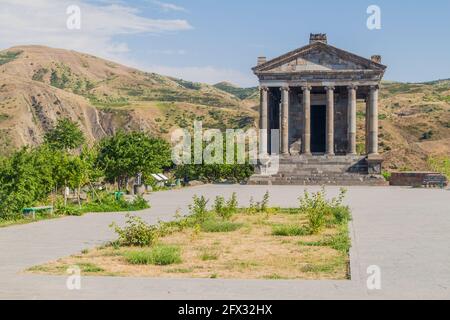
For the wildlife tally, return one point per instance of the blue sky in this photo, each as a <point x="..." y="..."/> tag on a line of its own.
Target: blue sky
<point x="214" y="40"/>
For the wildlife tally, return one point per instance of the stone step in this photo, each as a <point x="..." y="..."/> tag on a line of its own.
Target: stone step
<point x="321" y="159"/>
<point x="337" y="179"/>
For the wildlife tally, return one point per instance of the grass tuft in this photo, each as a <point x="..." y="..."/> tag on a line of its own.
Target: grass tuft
<point x="216" y="226"/>
<point x="159" y="256"/>
<point x="290" y="231"/>
<point x="340" y="242"/>
<point x="90" y="268"/>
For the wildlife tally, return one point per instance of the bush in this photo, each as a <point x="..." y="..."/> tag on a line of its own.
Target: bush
<point x="319" y="210"/>
<point x="159" y="255"/>
<point x="228" y="209"/>
<point x="259" y="207"/>
<point x="69" y="211"/>
<point x="234" y="170"/>
<point x="341" y="215"/>
<point x="198" y="209"/>
<point x="387" y="175"/>
<point x="136" y="233"/>
<point x="108" y="203"/>
<point x="340" y="242"/>
<point x="290" y="231"/>
<point x="236" y="173"/>
<point x="215" y="226"/>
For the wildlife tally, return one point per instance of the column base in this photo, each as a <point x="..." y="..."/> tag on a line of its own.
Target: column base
<point x="374" y="164"/>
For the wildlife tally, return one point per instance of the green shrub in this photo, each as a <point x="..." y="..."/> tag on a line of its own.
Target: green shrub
<point x="219" y="205"/>
<point x="226" y="210"/>
<point x="198" y="209"/>
<point x="136" y="232"/>
<point x="290" y="231"/>
<point x="108" y="203"/>
<point x="387" y="175"/>
<point x="216" y="226"/>
<point x="341" y="215"/>
<point x="139" y="257"/>
<point x="340" y="242"/>
<point x="236" y="173"/>
<point x="159" y="255"/>
<point x="233" y="204"/>
<point x="264" y="207"/>
<point x="69" y="211"/>
<point x="166" y="255"/>
<point x="319" y="210"/>
<point x="259" y="207"/>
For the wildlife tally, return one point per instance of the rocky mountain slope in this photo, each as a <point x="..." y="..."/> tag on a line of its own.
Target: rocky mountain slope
<point x="38" y="85"/>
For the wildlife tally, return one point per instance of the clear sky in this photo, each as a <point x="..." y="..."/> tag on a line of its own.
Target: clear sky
<point x="215" y="40"/>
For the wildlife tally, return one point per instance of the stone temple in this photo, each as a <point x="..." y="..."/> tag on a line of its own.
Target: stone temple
<point x="309" y="101"/>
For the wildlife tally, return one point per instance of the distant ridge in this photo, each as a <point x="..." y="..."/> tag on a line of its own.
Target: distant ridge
<point x="241" y="93"/>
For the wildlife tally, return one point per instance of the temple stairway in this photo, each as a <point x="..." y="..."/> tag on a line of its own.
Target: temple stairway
<point x="320" y="170"/>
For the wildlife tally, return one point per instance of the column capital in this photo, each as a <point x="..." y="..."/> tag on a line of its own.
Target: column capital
<point x="330" y="88"/>
<point x="374" y="88"/>
<point x="306" y="88"/>
<point x="352" y="87"/>
<point x="285" y="88"/>
<point x="264" y="88"/>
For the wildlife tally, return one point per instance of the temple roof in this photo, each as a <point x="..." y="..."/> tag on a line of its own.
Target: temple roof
<point x="319" y="57"/>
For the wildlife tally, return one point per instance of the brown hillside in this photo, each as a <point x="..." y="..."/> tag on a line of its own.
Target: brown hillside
<point x="38" y="85"/>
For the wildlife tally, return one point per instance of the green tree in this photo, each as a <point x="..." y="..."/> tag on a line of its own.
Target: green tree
<point x="65" y="136"/>
<point x="25" y="178"/>
<point x="126" y="154"/>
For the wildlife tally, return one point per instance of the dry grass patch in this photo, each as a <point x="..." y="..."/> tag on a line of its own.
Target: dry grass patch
<point x="248" y="252"/>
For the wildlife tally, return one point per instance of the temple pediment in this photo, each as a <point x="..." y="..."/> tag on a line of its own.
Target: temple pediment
<point x="319" y="57"/>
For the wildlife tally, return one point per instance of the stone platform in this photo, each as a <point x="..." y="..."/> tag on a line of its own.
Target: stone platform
<point x="318" y="170"/>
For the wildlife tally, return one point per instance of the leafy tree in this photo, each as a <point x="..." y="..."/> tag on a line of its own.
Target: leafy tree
<point x="29" y="176"/>
<point x="126" y="154"/>
<point x="25" y="178"/>
<point x="65" y="136"/>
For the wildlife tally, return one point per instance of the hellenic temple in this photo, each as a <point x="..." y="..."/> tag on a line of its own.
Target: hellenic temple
<point x="308" y="116"/>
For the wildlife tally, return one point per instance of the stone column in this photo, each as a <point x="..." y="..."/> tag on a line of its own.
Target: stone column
<point x="264" y="120"/>
<point x="284" y="120"/>
<point x="330" y="120"/>
<point x="306" y="120"/>
<point x="352" y="119"/>
<point x="373" y="120"/>
<point x="367" y="124"/>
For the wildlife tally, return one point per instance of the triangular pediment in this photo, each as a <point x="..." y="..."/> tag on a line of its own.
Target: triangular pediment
<point x="318" y="57"/>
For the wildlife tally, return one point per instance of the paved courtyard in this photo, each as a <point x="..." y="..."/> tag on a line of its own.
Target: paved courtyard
<point x="406" y="232"/>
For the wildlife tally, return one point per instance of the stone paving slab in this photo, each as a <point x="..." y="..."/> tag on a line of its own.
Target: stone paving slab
<point x="403" y="231"/>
